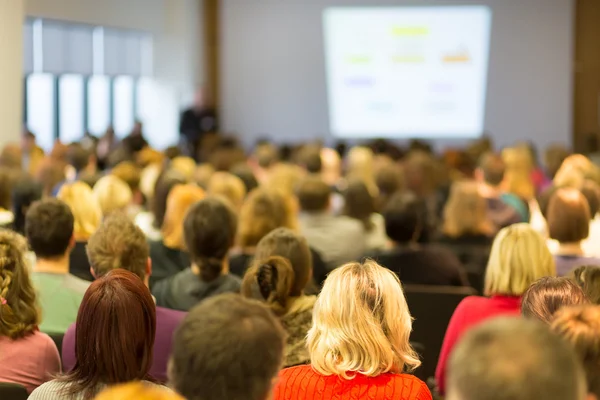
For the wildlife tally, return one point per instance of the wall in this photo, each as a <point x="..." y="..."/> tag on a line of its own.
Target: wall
<point x="273" y="70"/>
<point x="176" y="26"/>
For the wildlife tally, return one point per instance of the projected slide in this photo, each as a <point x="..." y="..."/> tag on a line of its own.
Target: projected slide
<point x="403" y="72"/>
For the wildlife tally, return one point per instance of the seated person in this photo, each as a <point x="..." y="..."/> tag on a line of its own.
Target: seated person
<point x="116" y="325"/>
<point x="338" y="239"/>
<point x="227" y="348"/>
<point x="27" y="356"/>
<point x="412" y="262"/>
<point x="209" y="232"/>
<point x="358" y="343"/>
<point x="119" y="243"/>
<point x="510" y="358"/>
<point x="549" y="294"/>
<point x="588" y="279"/>
<point x="49" y="229"/>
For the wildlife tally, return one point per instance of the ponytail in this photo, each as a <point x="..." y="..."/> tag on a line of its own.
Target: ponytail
<point x="270" y="281"/>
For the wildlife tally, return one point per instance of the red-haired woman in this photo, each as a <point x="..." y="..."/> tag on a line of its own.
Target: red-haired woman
<point x="27" y="356"/>
<point x="116" y="325"/>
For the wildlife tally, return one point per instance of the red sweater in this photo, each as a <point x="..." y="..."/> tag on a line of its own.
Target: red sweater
<point x="303" y="383"/>
<point x="471" y="311"/>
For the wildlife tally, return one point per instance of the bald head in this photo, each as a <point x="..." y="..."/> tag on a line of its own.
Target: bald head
<point x="514" y="359"/>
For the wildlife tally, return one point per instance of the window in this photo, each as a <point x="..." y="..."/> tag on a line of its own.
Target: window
<point x="123" y="104"/>
<point x="98" y="104"/>
<point x="70" y="106"/>
<point x="41" y="116"/>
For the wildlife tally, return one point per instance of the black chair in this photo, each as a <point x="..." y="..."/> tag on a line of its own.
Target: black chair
<point x="432" y="307"/>
<point x="58" y="339"/>
<point x="12" y="391"/>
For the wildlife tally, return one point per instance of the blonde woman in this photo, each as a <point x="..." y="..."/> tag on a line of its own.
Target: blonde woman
<point x="359" y="341"/>
<point x="519" y="190"/>
<point x="113" y="194"/>
<point x="169" y="255"/>
<point x="27" y="356"/>
<point x="519" y="257"/>
<point x="229" y="186"/>
<point x="88" y="217"/>
<point x="359" y="165"/>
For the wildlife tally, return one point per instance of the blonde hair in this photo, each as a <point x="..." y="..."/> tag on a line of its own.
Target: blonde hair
<point x="84" y="206"/>
<point x="284" y="178"/>
<point x="361" y="324"/>
<point x="229" y="186"/>
<point x="179" y="201"/>
<point x="263" y="211"/>
<point x="466" y="211"/>
<point x="112" y="193"/>
<point x="517" y="176"/>
<point x="574" y="170"/>
<point x="519" y="257"/>
<point x="138" y="391"/>
<point x="359" y="165"/>
<point x="186" y="166"/>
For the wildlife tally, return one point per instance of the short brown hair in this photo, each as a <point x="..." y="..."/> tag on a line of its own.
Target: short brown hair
<point x="313" y="194"/>
<point x="237" y="356"/>
<point x="568" y="216"/>
<point x="588" y="279"/>
<point x="118" y="243"/>
<point x="547" y="295"/>
<point x="492" y="166"/>
<point x="49" y="228"/>
<point x="129" y="173"/>
<point x="580" y="326"/>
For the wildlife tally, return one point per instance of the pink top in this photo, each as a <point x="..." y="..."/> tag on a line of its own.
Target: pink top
<point x="29" y="361"/>
<point x="471" y="311"/>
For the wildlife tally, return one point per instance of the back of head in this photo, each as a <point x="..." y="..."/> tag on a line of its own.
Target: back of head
<point x="138" y="391"/>
<point x="574" y="170"/>
<point x="547" y="295"/>
<point x="554" y="157"/>
<point x="84" y="206"/>
<point x="588" y="278"/>
<point x="269" y="280"/>
<point x="112" y="194"/>
<point x="591" y="192"/>
<point x="78" y="156"/>
<point x="568" y="216"/>
<point x="209" y="231"/>
<point x="18" y="309"/>
<point x="359" y="203"/>
<point x="514" y="359"/>
<point x="465" y="212"/>
<point x="309" y="157"/>
<point x="361" y="324"/>
<point x="25" y="192"/>
<point x="236" y="357"/>
<point x="164" y="184"/>
<point x="245" y="173"/>
<point x="313" y="194"/>
<point x="389" y="179"/>
<point x="519" y="257"/>
<point x="6" y="186"/>
<point x="186" y="166"/>
<point x="50" y="172"/>
<point x="580" y="326"/>
<point x="266" y="155"/>
<point x="286" y="243"/>
<point x="10" y="156"/>
<point x="492" y="168"/>
<point x="263" y="211"/>
<point x="129" y="173"/>
<point x="49" y="228"/>
<point x="403" y="219"/>
<point x="115" y="333"/>
<point x="229" y="186"/>
<point x="179" y="201"/>
<point x="118" y="243"/>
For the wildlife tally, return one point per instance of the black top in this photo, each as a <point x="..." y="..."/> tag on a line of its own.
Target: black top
<point x="79" y="264"/>
<point x="423" y="265"/>
<point x="195" y="123"/>
<point x="166" y="261"/>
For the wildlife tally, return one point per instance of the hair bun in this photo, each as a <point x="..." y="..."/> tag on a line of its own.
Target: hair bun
<point x="266" y="278"/>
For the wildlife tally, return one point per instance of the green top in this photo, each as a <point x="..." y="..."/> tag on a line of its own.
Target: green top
<point x="59" y="296"/>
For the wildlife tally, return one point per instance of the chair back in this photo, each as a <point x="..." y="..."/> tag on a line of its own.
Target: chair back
<point x="432" y="307"/>
<point x="58" y="339"/>
<point x="12" y="391"/>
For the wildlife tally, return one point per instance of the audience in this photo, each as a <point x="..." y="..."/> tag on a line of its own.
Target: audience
<point x="27" y="356"/>
<point x="514" y="359"/>
<point x="588" y="279"/>
<point x="413" y="262"/>
<point x="549" y="294"/>
<point x="116" y="328"/>
<point x="569" y="224"/>
<point x="49" y="229"/>
<point x="518" y="258"/>
<point x="130" y="173"/>
<point x="112" y="194"/>
<point x="238" y="355"/>
<point x="118" y="243"/>
<point x="169" y="254"/>
<point x="580" y="327"/>
<point x="360" y="205"/>
<point x="209" y="232"/>
<point x="490" y="175"/>
<point x="359" y="341"/>
<point x="87" y="216"/>
<point x="338" y="239"/>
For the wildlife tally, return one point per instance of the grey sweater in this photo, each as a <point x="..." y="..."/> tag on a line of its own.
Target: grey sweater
<point x="185" y="289"/>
